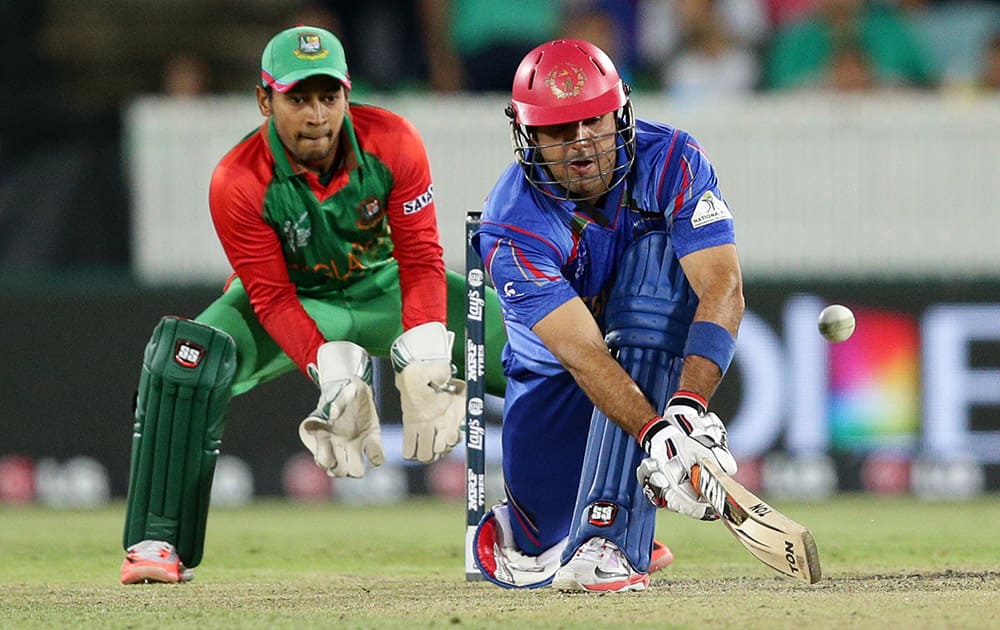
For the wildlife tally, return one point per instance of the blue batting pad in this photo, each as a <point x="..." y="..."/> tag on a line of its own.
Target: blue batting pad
<point x="649" y="312"/>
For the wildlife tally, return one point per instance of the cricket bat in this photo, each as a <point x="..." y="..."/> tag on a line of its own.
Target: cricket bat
<point x="770" y="536"/>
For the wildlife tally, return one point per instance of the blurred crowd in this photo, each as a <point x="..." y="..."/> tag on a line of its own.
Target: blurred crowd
<point x="79" y="61"/>
<point x="686" y="49"/>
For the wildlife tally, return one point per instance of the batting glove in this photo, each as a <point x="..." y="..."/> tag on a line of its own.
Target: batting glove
<point x="707" y="435"/>
<point x="664" y="477"/>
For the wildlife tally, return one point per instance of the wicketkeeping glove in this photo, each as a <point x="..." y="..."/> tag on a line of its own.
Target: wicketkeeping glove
<point x="344" y="428"/>
<point x="433" y="402"/>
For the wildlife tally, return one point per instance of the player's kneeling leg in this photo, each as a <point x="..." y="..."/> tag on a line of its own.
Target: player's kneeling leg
<point x="184" y="391"/>
<point x="502" y="563"/>
<point x="649" y="310"/>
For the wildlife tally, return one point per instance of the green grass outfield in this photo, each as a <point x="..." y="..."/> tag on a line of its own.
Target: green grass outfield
<point x="887" y="563"/>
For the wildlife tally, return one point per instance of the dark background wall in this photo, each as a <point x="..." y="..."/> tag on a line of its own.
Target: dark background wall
<point x="72" y="347"/>
<point x="74" y="350"/>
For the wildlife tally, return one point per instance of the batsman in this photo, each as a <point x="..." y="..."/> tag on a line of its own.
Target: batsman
<point x="326" y="213"/>
<point x="613" y="253"/>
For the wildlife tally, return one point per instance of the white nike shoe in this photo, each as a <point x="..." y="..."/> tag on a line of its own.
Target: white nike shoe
<point x="599" y="566"/>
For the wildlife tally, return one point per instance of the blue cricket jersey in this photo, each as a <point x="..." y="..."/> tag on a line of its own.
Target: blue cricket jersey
<point x="542" y="252"/>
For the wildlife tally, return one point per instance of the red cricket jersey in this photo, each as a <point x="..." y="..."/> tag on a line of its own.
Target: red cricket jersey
<point x="286" y="234"/>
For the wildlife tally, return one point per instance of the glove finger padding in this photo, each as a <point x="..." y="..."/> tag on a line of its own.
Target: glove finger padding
<point x="432" y="420"/>
<point x="411" y="442"/>
<point x="692" y="451"/>
<point x="373" y="448"/>
<point x="315" y="434"/>
<point x="432" y="414"/>
<point x="422" y="405"/>
<point x="666" y="491"/>
<point x="347" y="464"/>
<point x="345" y="430"/>
<point x="719" y="445"/>
<point x="448" y="435"/>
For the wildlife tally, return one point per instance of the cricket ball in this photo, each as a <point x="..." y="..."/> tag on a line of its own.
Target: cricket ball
<point x="836" y="323"/>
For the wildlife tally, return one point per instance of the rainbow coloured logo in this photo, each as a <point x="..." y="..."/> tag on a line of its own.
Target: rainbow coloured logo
<point x="874" y="393"/>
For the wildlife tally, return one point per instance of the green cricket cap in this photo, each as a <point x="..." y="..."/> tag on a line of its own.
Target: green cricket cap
<point x="300" y="52"/>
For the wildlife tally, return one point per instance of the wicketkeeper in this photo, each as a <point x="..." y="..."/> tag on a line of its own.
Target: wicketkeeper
<point x="608" y="231"/>
<point x="326" y="213"/>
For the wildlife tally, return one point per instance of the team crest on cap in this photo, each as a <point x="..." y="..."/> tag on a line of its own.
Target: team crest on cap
<point x="311" y="47"/>
<point x="566" y="80"/>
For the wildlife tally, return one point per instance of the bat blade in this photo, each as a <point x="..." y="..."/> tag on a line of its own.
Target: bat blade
<point x="768" y="535"/>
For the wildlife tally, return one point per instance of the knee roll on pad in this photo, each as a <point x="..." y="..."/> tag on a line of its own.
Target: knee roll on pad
<point x="184" y="391"/>
<point x="651" y="304"/>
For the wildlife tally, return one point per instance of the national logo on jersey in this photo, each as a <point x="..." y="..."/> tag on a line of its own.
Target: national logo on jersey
<point x="311" y="47"/>
<point x="602" y="513"/>
<point x="566" y="80"/>
<point x="188" y="354"/>
<point x="709" y="210"/>
<point x="369" y="213"/>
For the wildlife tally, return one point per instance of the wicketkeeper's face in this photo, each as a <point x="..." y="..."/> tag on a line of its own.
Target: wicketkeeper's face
<point x="580" y="155"/>
<point x="308" y="119"/>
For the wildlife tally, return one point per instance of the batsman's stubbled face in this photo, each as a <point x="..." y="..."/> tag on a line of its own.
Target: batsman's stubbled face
<point x="580" y="155"/>
<point x="308" y="119"/>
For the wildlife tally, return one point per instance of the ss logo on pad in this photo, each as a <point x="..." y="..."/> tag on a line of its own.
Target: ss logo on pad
<point x="188" y="354"/>
<point x="603" y="513"/>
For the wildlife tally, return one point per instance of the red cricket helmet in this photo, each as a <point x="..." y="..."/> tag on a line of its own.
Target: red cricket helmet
<point x="565" y="81"/>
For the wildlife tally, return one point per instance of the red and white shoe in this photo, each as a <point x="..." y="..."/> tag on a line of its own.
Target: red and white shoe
<point x="660" y="558"/>
<point x="154" y="561"/>
<point x="599" y="566"/>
